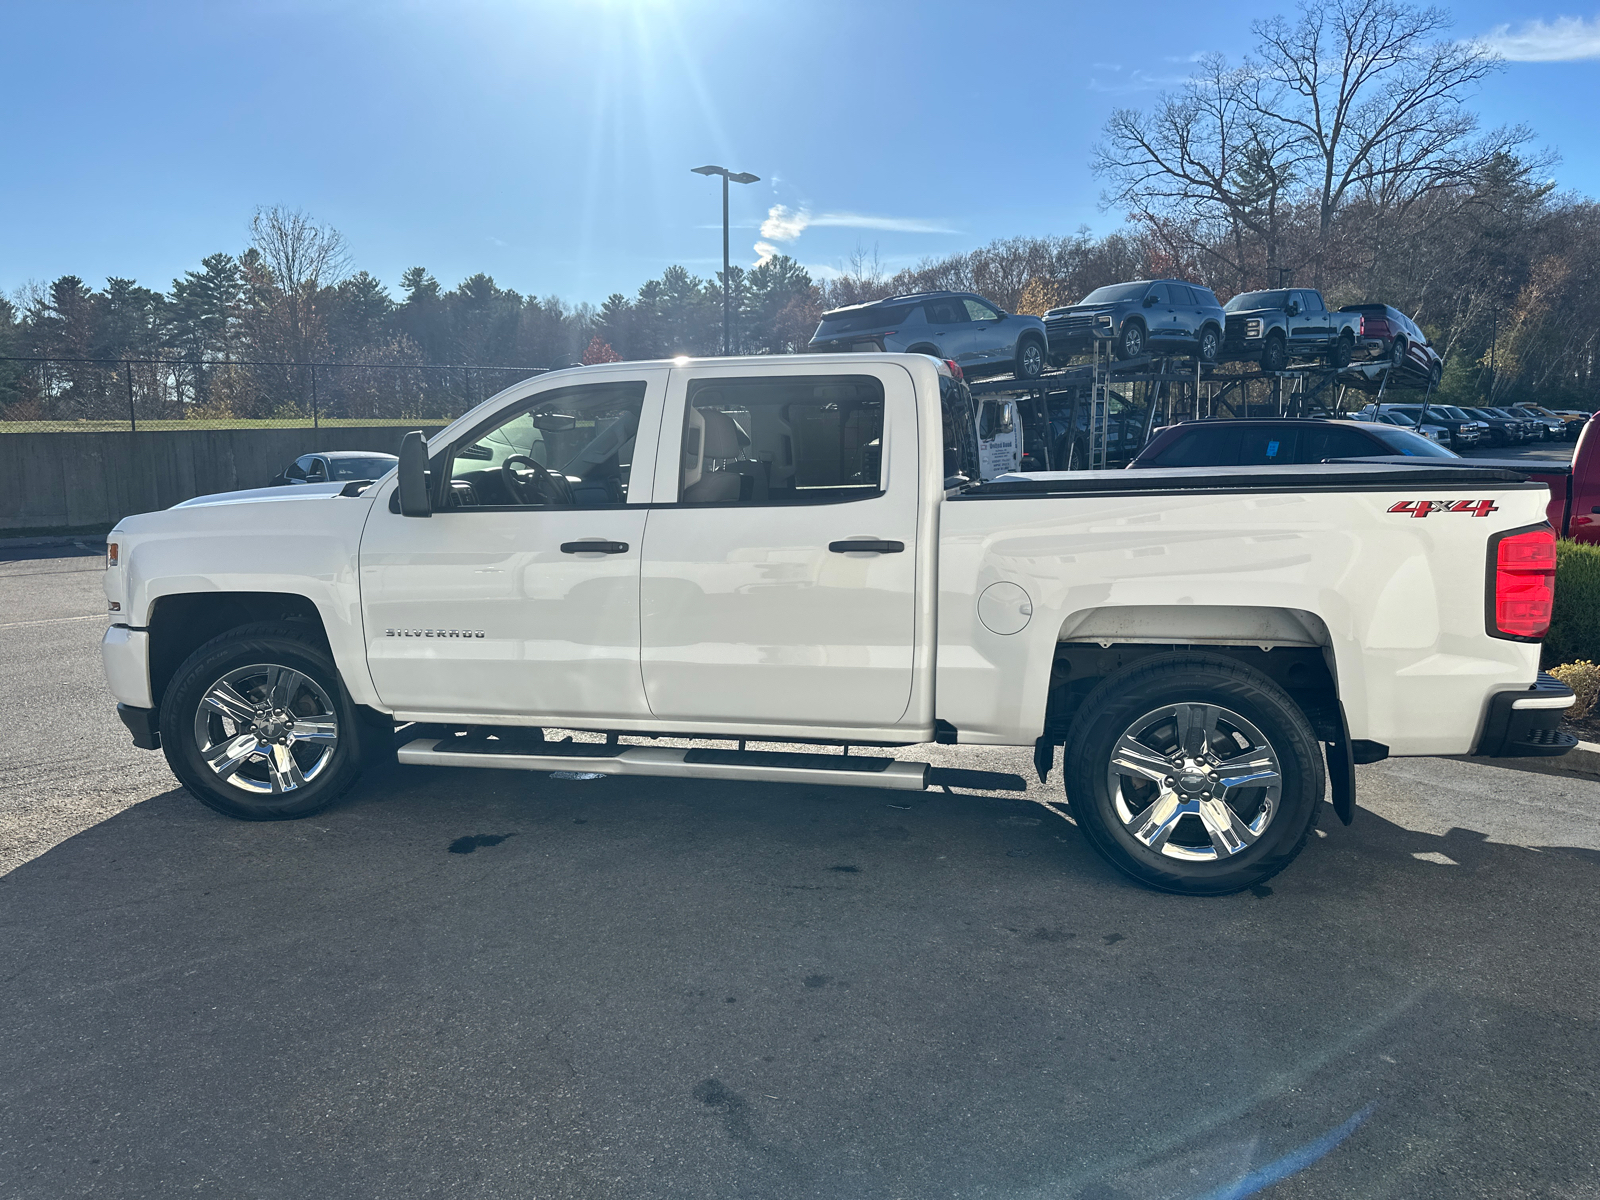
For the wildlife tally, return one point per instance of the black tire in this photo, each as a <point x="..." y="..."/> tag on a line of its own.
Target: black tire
<point x="1132" y="341"/>
<point x="1201" y="683"/>
<point x="1397" y="356"/>
<point x="1030" y="359"/>
<point x="1275" y="354"/>
<point x="1435" y="373"/>
<point x="1209" y="348"/>
<point x="1343" y="351"/>
<point x="254" y="790"/>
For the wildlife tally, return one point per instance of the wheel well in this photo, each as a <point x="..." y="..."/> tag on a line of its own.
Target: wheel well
<point x="926" y="349"/>
<point x="1301" y="671"/>
<point x="181" y="624"/>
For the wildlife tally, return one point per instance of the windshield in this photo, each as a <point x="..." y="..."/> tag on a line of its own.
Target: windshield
<point x="1399" y="418"/>
<point x="1455" y="414"/>
<point x="1116" y="293"/>
<point x="1245" y="301"/>
<point x="360" y="468"/>
<point x="1403" y="441"/>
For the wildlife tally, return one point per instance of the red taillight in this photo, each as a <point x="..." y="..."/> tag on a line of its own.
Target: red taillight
<point x="955" y="369"/>
<point x="1524" y="583"/>
<point x="1363" y="332"/>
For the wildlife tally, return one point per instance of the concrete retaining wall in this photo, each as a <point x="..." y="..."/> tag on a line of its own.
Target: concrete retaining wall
<point x="84" y="480"/>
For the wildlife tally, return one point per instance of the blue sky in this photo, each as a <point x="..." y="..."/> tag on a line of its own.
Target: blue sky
<point x="549" y="144"/>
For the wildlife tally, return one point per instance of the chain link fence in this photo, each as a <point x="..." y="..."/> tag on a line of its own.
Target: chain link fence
<point x="75" y="395"/>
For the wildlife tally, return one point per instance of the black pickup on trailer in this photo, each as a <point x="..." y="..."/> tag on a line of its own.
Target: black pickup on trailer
<point x="1275" y="326"/>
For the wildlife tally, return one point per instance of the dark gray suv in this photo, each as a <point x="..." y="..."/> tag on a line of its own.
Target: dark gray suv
<point x="1149" y="316"/>
<point x="980" y="337"/>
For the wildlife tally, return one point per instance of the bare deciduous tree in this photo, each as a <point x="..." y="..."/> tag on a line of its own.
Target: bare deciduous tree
<point x="1352" y="99"/>
<point x="302" y="257"/>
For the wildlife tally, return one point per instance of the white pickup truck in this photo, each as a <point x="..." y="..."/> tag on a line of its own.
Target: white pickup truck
<point x="797" y="550"/>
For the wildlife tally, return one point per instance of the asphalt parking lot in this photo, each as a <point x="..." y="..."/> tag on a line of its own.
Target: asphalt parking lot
<point x="492" y="985"/>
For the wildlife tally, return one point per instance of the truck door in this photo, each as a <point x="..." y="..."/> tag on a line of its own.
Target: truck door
<point x="1309" y="327"/>
<point x="520" y="595"/>
<point x="985" y="335"/>
<point x="754" y="607"/>
<point x="947" y="321"/>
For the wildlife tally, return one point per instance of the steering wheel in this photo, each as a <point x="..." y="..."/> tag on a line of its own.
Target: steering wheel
<point x="536" y="485"/>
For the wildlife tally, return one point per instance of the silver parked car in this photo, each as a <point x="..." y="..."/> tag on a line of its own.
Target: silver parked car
<point x="330" y="466"/>
<point x="980" y="337"/>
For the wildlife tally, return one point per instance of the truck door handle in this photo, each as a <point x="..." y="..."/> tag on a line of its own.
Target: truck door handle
<point x="594" y="546"/>
<point x="866" y="546"/>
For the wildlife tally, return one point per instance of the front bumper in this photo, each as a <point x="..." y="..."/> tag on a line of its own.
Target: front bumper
<point x="1526" y="724"/>
<point x="125" y="652"/>
<point x="141" y="722"/>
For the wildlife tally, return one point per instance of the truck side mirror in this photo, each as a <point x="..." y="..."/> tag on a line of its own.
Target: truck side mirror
<point x="1294" y="308"/>
<point x="413" y="489"/>
<point x="1150" y="302"/>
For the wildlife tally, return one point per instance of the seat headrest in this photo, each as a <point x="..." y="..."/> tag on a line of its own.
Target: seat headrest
<point x="721" y="435"/>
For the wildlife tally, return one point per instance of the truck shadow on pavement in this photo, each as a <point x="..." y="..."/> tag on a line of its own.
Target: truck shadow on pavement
<point x="661" y="988"/>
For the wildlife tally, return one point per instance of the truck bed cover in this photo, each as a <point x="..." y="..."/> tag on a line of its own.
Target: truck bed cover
<point x="1321" y="477"/>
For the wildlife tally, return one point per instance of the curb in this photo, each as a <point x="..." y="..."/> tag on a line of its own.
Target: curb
<point x="1581" y="762"/>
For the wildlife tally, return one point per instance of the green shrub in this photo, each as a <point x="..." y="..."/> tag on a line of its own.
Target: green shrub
<point x="1575" y="624"/>
<point x="1584" y="680"/>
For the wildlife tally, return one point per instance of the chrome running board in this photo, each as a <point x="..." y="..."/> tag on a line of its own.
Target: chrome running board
<point x="749" y="766"/>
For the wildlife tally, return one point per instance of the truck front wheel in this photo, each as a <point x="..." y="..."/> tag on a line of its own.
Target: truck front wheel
<point x="256" y="724"/>
<point x="1275" y="354"/>
<point x="1195" y="774"/>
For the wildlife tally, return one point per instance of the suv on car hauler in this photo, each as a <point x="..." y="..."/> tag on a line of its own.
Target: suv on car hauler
<point x="1160" y="316"/>
<point x="977" y="336"/>
<point x="791" y="549"/>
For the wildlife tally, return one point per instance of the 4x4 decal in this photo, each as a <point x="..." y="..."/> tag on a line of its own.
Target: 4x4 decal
<point x="1421" y="508"/>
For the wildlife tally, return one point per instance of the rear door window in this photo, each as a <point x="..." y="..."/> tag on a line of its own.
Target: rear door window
<point x="1266" y="447"/>
<point x="802" y="439"/>
<point x="1204" y="446"/>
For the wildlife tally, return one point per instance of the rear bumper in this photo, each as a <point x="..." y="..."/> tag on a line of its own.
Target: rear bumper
<point x="141" y="722"/>
<point x="1526" y="723"/>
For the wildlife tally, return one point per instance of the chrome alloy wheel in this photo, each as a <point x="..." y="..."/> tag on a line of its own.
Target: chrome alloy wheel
<point x="1195" y="781"/>
<point x="266" y="729"/>
<point x="1032" y="359"/>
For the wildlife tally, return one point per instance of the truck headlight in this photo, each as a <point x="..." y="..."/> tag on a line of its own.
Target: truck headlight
<point x="1252" y="328"/>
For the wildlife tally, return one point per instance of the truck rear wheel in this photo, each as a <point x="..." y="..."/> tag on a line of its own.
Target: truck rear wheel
<point x="1343" y="351"/>
<point x="257" y="725"/>
<point x="1194" y="774"/>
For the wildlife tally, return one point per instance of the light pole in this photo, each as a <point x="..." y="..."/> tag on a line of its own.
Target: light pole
<point x="736" y="177"/>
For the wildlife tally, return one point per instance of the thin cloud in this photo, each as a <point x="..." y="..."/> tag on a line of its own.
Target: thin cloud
<point x="766" y="251"/>
<point x="782" y="225"/>
<point x="1137" y="81"/>
<point x="1565" y="39"/>
<point x="846" y="220"/>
